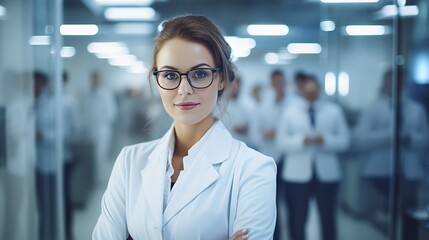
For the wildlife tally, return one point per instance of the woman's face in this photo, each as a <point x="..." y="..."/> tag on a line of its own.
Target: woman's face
<point x="185" y="104"/>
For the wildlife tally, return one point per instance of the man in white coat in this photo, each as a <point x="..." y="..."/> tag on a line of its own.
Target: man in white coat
<point x="373" y="137"/>
<point x="312" y="132"/>
<point x="101" y="113"/>
<point x="237" y="116"/>
<point x="265" y="126"/>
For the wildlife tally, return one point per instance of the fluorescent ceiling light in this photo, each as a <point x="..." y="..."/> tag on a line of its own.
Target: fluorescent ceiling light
<point x="241" y="42"/>
<point x="124" y="2"/>
<point x="343" y="84"/>
<point x="240" y="52"/>
<point x="268" y="29"/>
<point x="284" y="54"/>
<point x="134" y="28"/>
<point x="107" y="47"/>
<point x="367" y="30"/>
<point x="40" y="40"/>
<point x="327" y="26"/>
<point x="241" y="47"/>
<point x="123" y="60"/>
<point x="67" y="52"/>
<point x="130" y="14"/>
<point x="271" y="58"/>
<point x="392" y="10"/>
<point x="349" y="1"/>
<point x="304" y="48"/>
<point x="137" y="68"/>
<point x="330" y="83"/>
<point x="78" y="29"/>
<point x="421" y="69"/>
<point x="2" y="12"/>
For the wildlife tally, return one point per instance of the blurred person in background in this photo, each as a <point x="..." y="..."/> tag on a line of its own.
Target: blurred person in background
<point x="46" y="165"/>
<point x="101" y="111"/>
<point x="299" y="79"/>
<point x="373" y="137"/>
<point x="20" y="154"/>
<point x="312" y="132"/>
<point x="237" y="118"/>
<point x="46" y="161"/>
<point x="266" y="128"/>
<point x="197" y="181"/>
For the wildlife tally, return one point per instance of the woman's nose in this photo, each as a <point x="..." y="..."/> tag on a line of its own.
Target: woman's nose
<point x="184" y="86"/>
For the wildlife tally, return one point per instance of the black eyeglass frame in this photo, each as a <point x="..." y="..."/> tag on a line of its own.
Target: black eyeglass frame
<point x="213" y="70"/>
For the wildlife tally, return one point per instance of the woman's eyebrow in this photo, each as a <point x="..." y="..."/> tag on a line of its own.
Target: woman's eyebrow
<point x="168" y="67"/>
<point x="194" y="67"/>
<point x="201" y="65"/>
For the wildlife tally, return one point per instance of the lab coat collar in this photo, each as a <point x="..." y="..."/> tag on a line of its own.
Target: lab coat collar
<point x="153" y="182"/>
<point x="202" y="173"/>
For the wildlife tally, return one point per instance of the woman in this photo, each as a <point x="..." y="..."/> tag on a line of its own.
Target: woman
<point x="196" y="182"/>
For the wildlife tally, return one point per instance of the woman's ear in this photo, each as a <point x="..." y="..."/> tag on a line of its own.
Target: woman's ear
<point x="221" y="85"/>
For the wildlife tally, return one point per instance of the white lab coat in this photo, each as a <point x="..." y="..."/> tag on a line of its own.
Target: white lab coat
<point x="301" y="159"/>
<point x="267" y="119"/>
<point x="101" y="112"/>
<point x="373" y="136"/>
<point x="227" y="188"/>
<point x="237" y="115"/>
<point x="20" y="135"/>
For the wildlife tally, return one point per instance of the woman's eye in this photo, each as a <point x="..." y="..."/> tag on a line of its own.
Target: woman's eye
<point x="200" y="74"/>
<point x="169" y="75"/>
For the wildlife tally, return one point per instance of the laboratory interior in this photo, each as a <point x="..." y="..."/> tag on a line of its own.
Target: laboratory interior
<point x="76" y="87"/>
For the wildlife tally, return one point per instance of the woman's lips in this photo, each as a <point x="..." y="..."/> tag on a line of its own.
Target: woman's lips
<point x="186" y="105"/>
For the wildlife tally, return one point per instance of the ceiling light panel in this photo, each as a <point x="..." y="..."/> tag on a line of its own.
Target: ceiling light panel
<point x="111" y="48"/>
<point x="349" y="1"/>
<point x="366" y="30"/>
<point x="39" y="40"/>
<point x="2" y="12"/>
<point x="134" y="28"/>
<point x="124" y="2"/>
<point x="327" y="26"/>
<point x="268" y="29"/>
<point x="304" y="48"/>
<point x="330" y="83"/>
<point x="390" y="11"/>
<point x="130" y="14"/>
<point x="78" y="29"/>
<point x="67" y="52"/>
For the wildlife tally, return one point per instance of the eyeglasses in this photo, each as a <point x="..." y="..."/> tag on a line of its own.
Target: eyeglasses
<point x="198" y="78"/>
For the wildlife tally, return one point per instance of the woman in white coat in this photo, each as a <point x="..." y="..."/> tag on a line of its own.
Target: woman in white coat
<point x="196" y="182"/>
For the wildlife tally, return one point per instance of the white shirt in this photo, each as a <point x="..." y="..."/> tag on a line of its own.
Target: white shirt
<point x="187" y="162"/>
<point x="224" y="188"/>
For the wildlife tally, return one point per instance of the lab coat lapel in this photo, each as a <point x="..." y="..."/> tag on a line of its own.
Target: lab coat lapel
<point x="202" y="172"/>
<point x="153" y="182"/>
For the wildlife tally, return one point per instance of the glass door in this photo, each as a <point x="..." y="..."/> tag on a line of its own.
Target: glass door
<point x="30" y="120"/>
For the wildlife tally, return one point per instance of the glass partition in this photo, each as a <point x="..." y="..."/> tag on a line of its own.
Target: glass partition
<point x="67" y="108"/>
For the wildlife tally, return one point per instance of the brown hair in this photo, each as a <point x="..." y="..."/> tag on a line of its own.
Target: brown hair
<point x="199" y="29"/>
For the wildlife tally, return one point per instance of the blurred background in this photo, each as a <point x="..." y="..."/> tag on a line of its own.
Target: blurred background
<point x="74" y="89"/>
